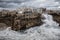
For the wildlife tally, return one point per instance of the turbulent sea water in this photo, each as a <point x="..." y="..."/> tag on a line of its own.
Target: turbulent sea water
<point x="48" y="31"/>
<point x="32" y="3"/>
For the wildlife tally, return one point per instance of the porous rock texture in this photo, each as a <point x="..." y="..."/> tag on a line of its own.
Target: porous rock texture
<point x="25" y="18"/>
<point x="21" y="19"/>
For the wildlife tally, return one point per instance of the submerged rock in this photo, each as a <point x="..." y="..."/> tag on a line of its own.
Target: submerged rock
<point x="3" y="26"/>
<point x="56" y="18"/>
<point x="27" y="20"/>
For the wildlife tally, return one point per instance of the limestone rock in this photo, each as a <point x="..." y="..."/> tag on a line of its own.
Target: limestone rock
<point x="3" y="26"/>
<point x="25" y="18"/>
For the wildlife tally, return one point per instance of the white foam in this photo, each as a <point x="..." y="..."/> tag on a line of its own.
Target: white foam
<point x="48" y="31"/>
<point x="41" y="3"/>
<point x="31" y="3"/>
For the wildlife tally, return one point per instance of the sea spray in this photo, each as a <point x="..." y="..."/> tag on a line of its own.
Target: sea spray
<point x="13" y="4"/>
<point x="48" y="31"/>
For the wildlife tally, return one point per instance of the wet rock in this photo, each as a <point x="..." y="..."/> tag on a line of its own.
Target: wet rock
<point x="6" y="17"/>
<point x="56" y="18"/>
<point x="3" y="26"/>
<point x="24" y="18"/>
<point x="31" y="20"/>
<point x="27" y="20"/>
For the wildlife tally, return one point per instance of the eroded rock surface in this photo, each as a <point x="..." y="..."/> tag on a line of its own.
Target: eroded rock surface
<point x="26" y="17"/>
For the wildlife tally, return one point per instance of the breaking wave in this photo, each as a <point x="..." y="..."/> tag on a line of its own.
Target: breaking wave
<point x="48" y="31"/>
<point x="30" y="3"/>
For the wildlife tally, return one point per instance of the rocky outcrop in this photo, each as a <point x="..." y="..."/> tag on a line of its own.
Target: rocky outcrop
<point x="26" y="18"/>
<point x="22" y="19"/>
<point x="3" y="26"/>
<point x="6" y="17"/>
<point x="56" y="18"/>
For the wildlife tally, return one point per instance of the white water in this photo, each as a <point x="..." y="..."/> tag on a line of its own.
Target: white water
<point x="48" y="31"/>
<point x="32" y="3"/>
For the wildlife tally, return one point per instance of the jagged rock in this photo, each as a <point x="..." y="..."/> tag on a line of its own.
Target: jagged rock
<point x="21" y="19"/>
<point x="30" y="20"/>
<point x="56" y="18"/>
<point x="26" y="18"/>
<point x="3" y="26"/>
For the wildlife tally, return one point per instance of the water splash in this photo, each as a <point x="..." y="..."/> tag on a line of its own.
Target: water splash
<point x="32" y="3"/>
<point x="48" y="31"/>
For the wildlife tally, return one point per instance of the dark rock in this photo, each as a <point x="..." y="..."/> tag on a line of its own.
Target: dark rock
<point x="26" y="17"/>
<point x="3" y="26"/>
<point x="27" y="20"/>
<point x="21" y="19"/>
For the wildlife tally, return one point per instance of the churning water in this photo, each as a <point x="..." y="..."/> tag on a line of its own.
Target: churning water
<point x="48" y="31"/>
<point x="32" y="3"/>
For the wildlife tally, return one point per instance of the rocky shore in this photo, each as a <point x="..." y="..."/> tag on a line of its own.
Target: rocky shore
<point x="25" y="18"/>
